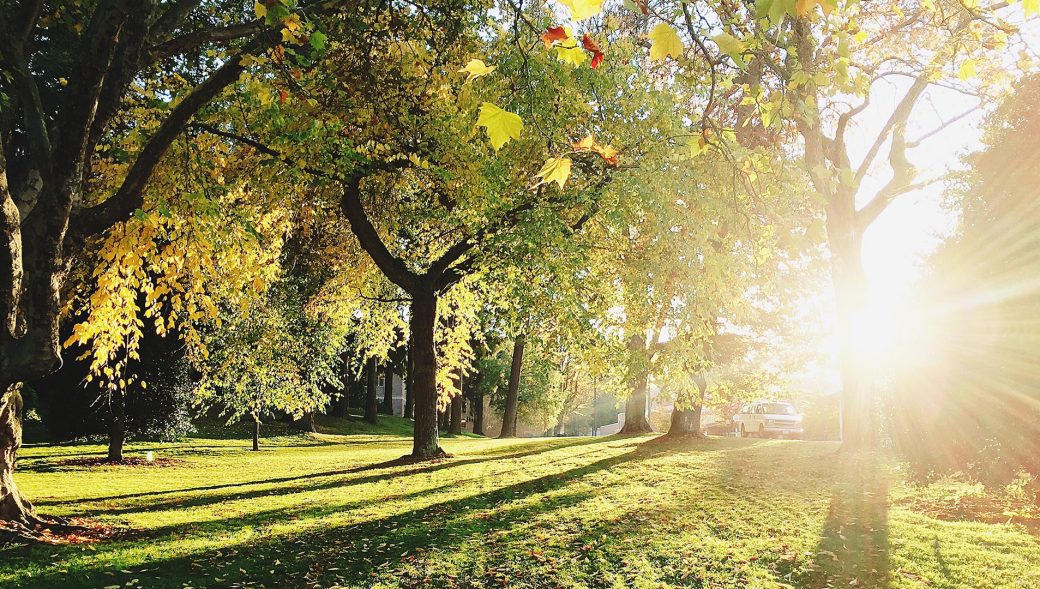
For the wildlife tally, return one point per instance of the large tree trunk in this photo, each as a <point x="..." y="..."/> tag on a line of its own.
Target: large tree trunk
<point x="636" y="421"/>
<point x="117" y="427"/>
<point x="685" y="422"/>
<point x="561" y="424"/>
<point x="13" y="507"/>
<point x="513" y="390"/>
<point x="426" y="443"/>
<point x="851" y="293"/>
<point x="388" y="390"/>
<point x="409" y="377"/>
<point x="256" y="433"/>
<point x="371" y="394"/>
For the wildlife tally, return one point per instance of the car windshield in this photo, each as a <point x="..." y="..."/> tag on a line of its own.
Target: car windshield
<point x="779" y="409"/>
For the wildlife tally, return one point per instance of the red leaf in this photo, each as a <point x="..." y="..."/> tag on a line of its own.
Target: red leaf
<point x="590" y="45"/>
<point x="643" y="7"/>
<point x="552" y="35"/>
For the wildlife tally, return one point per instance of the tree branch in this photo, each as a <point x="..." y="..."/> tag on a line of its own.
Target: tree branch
<point x="129" y="197"/>
<point x="192" y="40"/>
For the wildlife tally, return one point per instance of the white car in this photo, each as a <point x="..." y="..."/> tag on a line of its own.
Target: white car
<point x="768" y="418"/>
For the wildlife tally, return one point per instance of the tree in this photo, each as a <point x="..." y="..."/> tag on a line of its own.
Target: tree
<point x="273" y="356"/>
<point x="810" y="73"/>
<point x="68" y="72"/>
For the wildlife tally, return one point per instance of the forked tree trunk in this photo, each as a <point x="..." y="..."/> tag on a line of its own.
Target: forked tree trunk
<point x="256" y="433"/>
<point x="13" y="507"/>
<point x="636" y="421"/>
<point x="426" y="442"/>
<point x="409" y="377"/>
<point x="117" y="427"/>
<point x="685" y="422"/>
<point x="513" y="390"/>
<point x="371" y="393"/>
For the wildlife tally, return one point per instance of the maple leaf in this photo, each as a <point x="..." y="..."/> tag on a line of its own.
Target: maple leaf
<point x="589" y="143"/>
<point x="569" y="52"/>
<point x="664" y="42"/>
<point x="476" y="68"/>
<point x="552" y="35"/>
<point x="590" y="45"/>
<point x="582" y="9"/>
<point x="556" y="169"/>
<point x="731" y="46"/>
<point x="501" y="125"/>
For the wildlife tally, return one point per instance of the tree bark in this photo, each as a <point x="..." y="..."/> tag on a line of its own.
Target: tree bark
<point x="409" y="377"/>
<point x="685" y="422"/>
<point x="851" y="294"/>
<point x="371" y="394"/>
<point x="256" y="433"/>
<point x="117" y="427"/>
<point x="636" y="421"/>
<point x="455" y="419"/>
<point x="13" y="507"/>
<point x="477" y="407"/>
<point x="343" y="406"/>
<point x="425" y="441"/>
<point x="388" y="390"/>
<point x="513" y="390"/>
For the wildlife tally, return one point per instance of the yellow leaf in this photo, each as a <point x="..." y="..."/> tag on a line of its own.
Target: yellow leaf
<point x="582" y="9"/>
<point x="802" y="7"/>
<point x="288" y="36"/>
<point x="569" y="52"/>
<point x="476" y="68"/>
<point x="556" y="169"/>
<point x="1030" y="7"/>
<point x="697" y="146"/>
<point x="664" y="42"/>
<point x="967" y="70"/>
<point x="501" y="125"/>
<point x="259" y="9"/>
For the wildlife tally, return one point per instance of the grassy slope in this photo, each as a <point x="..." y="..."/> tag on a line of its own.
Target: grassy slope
<point x="606" y="512"/>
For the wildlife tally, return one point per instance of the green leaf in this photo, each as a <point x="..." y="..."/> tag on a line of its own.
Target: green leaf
<point x="501" y="125"/>
<point x="731" y="46"/>
<point x="318" y="40"/>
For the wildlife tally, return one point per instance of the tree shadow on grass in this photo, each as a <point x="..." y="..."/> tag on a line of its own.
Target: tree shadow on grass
<point x="342" y="554"/>
<point x="304" y="482"/>
<point x="853" y="547"/>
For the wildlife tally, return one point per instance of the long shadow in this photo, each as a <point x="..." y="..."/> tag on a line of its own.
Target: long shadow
<point x="346" y="554"/>
<point x="853" y="546"/>
<point x="394" y="470"/>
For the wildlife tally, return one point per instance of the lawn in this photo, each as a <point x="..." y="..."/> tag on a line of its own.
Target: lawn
<point x="328" y="510"/>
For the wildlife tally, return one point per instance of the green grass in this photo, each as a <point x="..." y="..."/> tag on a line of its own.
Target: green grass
<point x="324" y="510"/>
